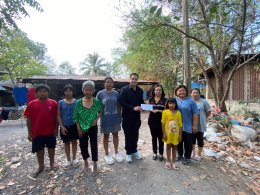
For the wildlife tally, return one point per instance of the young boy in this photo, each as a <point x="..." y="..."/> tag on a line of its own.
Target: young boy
<point x="41" y="123"/>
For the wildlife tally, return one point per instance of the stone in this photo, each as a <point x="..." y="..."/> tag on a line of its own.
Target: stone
<point x="15" y="160"/>
<point x="245" y="165"/>
<point x="231" y="160"/>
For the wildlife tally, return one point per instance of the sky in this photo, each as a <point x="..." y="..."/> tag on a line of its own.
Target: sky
<point x="71" y="29"/>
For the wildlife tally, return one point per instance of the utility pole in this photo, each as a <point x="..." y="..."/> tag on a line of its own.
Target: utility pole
<point x="186" y="46"/>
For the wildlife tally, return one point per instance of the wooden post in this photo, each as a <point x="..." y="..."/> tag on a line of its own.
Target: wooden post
<point x="186" y="46"/>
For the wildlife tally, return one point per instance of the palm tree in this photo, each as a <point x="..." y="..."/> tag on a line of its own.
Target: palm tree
<point x="93" y="65"/>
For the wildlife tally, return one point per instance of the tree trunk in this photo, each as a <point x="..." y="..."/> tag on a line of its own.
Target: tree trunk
<point x="220" y="93"/>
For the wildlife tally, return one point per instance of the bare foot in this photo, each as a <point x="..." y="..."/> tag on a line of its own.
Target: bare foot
<point x="95" y="169"/>
<point x="85" y="170"/>
<point x="36" y="173"/>
<point x="54" y="167"/>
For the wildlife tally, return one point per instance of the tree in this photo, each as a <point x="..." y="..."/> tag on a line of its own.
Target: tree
<point x="218" y="30"/>
<point x="94" y="65"/>
<point x="50" y="65"/>
<point x="152" y="52"/>
<point x="11" y="10"/>
<point x="20" y="56"/>
<point x="65" y="68"/>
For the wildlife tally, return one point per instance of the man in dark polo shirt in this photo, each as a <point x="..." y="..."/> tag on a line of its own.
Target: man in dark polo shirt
<point x="131" y="98"/>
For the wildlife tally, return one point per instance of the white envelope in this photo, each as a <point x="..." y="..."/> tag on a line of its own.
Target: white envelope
<point x="147" y="107"/>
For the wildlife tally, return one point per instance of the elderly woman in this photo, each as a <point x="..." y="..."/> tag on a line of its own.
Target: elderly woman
<point x="204" y="113"/>
<point x="87" y="112"/>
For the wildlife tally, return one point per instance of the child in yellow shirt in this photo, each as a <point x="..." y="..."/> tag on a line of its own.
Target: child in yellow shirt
<point x="172" y="131"/>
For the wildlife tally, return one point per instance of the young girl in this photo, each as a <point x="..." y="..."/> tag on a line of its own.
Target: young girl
<point x="172" y="131"/>
<point x="110" y="119"/>
<point x="68" y="129"/>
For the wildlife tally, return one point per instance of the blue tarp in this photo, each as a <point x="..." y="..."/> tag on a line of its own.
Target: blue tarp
<point x="197" y="85"/>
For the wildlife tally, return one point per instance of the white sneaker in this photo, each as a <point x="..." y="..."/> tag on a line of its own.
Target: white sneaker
<point x="109" y="160"/>
<point x="129" y="158"/>
<point x="119" y="158"/>
<point x="138" y="155"/>
<point x="68" y="163"/>
<point x="75" y="163"/>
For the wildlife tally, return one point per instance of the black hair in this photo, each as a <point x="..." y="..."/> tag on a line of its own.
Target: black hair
<point x="158" y="85"/>
<point x="42" y="86"/>
<point x="171" y="100"/>
<point x="107" y="78"/>
<point x="197" y="89"/>
<point x="70" y="87"/>
<point x="134" y="74"/>
<point x="179" y="87"/>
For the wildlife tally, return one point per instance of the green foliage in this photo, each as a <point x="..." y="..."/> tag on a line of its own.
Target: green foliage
<point x="153" y="9"/>
<point x="155" y="53"/>
<point x="94" y="65"/>
<point x="20" y="56"/>
<point x="11" y="10"/>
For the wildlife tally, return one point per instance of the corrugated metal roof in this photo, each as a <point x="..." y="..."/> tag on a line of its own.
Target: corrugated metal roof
<point x="77" y="78"/>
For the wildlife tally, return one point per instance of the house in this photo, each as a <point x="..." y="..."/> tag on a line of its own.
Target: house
<point x="245" y="84"/>
<point x="56" y="83"/>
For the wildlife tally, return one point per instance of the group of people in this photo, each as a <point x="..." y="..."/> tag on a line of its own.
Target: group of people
<point x="179" y="122"/>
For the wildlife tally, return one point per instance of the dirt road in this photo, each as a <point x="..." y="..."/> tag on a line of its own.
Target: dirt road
<point x="140" y="177"/>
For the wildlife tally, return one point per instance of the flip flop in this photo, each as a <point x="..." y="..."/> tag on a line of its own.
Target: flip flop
<point x="168" y="165"/>
<point x="175" y="167"/>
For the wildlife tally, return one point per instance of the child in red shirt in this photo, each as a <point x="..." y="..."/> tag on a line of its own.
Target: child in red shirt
<point x="41" y="123"/>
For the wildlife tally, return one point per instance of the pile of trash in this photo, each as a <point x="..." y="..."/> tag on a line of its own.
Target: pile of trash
<point x="237" y="147"/>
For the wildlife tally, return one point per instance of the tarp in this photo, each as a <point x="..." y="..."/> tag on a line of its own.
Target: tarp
<point x="197" y="85"/>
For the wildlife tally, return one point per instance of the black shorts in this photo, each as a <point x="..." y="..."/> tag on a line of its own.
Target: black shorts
<point x="41" y="142"/>
<point x="71" y="135"/>
<point x="199" y="138"/>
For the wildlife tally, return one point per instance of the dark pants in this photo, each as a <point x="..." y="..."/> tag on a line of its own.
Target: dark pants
<point x="131" y="130"/>
<point x="199" y="138"/>
<point x="157" y="134"/>
<point x="83" y="144"/>
<point x="187" y="142"/>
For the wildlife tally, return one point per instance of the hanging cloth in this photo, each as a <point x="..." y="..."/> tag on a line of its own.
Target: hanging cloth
<point x="20" y="94"/>
<point x="31" y="95"/>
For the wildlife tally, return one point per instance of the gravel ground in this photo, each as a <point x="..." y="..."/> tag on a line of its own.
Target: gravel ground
<point x="140" y="177"/>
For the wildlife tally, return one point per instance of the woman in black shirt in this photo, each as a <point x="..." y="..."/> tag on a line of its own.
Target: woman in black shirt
<point x="154" y="120"/>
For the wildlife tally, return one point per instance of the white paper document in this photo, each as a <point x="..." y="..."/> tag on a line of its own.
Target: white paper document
<point x="147" y="107"/>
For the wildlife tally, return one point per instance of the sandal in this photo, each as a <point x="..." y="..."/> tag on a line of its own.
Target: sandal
<point x="175" y="167"/>
<point x="168" y="165"/>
